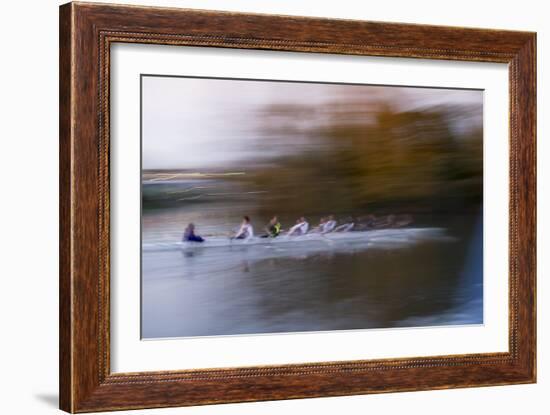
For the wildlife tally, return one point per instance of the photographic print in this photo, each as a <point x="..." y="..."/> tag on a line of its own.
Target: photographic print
<point x="273" y="206"/>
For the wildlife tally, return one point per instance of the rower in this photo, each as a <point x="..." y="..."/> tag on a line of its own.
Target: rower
<point x="319" y="228"/>
<point x="189" y="234"/>
<point x="329" y="225"/>
<point x="345" y="227"/>
<point x="273" y="229"/>
<point x="300" y="228"/>
<point x="245" y="231"/>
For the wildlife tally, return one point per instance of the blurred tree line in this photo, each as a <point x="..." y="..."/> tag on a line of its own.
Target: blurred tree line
<point x="414" y="161"/>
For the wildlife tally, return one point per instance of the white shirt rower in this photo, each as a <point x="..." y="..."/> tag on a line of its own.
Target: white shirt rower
<point x="246" y="230"/>
<point x="300" y="228"/>
<point x="328" y="226"/>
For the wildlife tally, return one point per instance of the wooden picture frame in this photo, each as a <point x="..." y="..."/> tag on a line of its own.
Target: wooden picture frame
<point x="86" y="33"/>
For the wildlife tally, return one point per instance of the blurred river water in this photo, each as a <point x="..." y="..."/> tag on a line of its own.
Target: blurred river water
<point x="426" y="274"/>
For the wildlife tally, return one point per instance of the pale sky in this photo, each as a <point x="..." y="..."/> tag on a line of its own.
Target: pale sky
<point x="201" y="124"/>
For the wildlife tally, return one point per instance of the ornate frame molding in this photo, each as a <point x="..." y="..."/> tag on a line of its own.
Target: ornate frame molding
<point x="86" y="33"/>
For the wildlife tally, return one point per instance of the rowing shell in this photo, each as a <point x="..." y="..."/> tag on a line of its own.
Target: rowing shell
<point x="315" y="241"/>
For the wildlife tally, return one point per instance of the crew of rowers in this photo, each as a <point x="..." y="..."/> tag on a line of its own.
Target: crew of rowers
<point x="301" y="227"/>
<point x="273" y="229"/>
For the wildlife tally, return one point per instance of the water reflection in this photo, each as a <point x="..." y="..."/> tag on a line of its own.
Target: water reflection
<point x="243" y="290"/>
